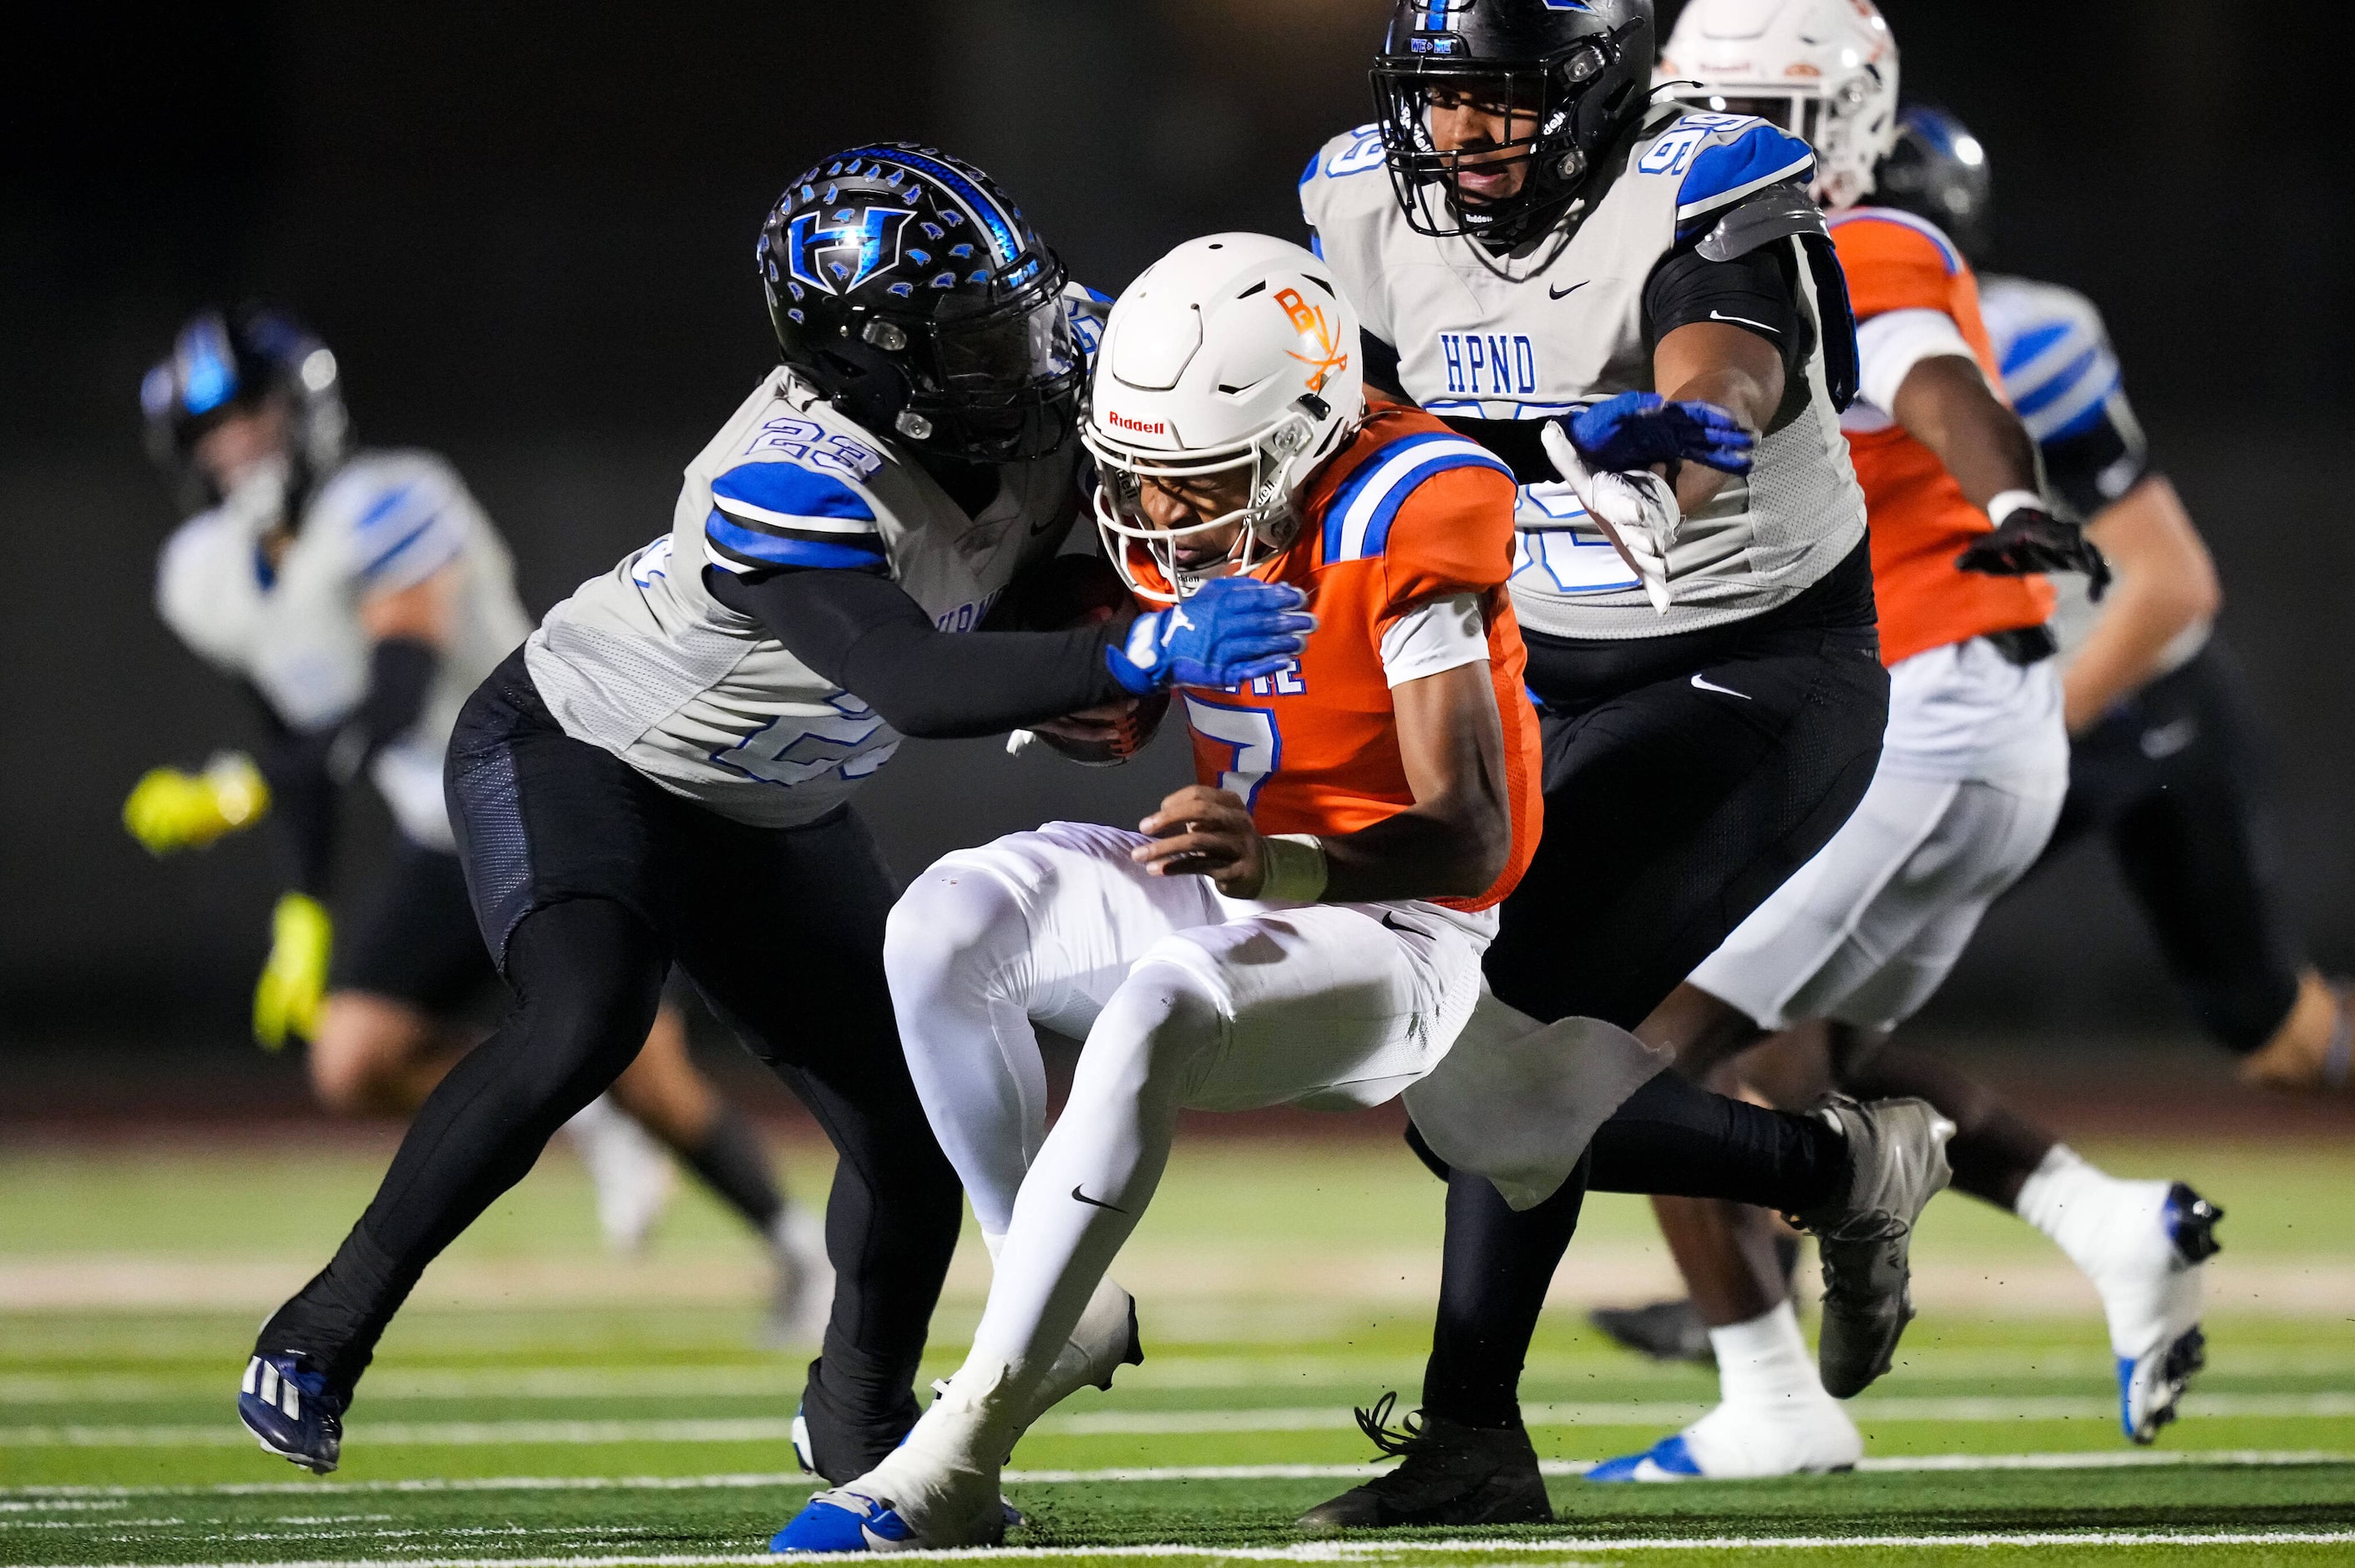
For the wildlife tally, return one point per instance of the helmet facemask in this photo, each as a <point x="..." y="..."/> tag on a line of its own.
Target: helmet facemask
<point x="1560" y="112"/>
<point x="1279" y="462"/>
<point x="1848" y="125"/>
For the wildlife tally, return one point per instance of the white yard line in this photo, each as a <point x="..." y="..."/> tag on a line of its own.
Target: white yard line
<point x="1375" y="1551"/>
<point x="88" y="1497"/>
<point x="1970" y="1410"/>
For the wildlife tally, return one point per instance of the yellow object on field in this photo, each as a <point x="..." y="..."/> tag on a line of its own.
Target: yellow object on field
<point x="293" y="984"/>
<point x="171" y="810"/>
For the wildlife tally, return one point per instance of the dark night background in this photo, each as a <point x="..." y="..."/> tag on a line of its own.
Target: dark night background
<point x="528" y="229"/>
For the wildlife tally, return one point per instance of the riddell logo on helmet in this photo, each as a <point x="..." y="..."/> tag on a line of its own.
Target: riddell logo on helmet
<point x="1120" y="422"/>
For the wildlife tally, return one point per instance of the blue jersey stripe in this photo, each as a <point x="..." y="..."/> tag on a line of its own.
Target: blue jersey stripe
<point x="1354" y="486"/>
<point x="755" y="549"/>
<point x="1762" y="155"/>
<point x="2057" y="385"/>
<point x="789" y="490"/>
<point x="1378" y="527"/>
<point x="384" y="504"/>
<point x="2090" y="417"/>
<point x="385" y="557"/>
<point x="2024" y="348"/>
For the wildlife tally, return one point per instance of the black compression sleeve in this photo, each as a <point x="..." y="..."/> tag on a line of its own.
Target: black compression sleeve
<point x="1755" y="293"/>
<point x="400" y="673"/>
<point x="301" y="801"/>
<point x="2090" y="468"/>
<point x="866" y="635"/>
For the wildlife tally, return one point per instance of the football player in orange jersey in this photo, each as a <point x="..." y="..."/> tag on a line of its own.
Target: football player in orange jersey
<point x="1973" y="768"/>
<point x="1305" y="925"/>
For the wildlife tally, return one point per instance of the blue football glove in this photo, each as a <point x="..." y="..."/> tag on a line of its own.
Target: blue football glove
<point x="1636" y="430"/>
<point x="1230" y="630"/>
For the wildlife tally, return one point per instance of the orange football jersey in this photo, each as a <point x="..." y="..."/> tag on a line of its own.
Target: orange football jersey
<point x="1407" y="512"/>
<point x="1919" y="518"/>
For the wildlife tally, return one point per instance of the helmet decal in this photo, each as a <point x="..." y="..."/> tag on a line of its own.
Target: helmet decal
<point x="208" y="366"/>
<point x="1309" y="321"/>
<point x="848" y="250"/>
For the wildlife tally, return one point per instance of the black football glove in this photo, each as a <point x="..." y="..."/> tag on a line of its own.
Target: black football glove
<point x="2029" y="539"/>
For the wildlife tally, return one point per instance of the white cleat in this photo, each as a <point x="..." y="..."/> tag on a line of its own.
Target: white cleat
<point x="631" y="1174"/>
<point x="2151" y="1286"/>
<point x="803" y="1297"/>
<point x="1799" y="1437"/>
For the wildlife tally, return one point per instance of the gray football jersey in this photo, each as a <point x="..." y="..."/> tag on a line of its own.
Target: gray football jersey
<point x="1559" y="324"/>
<point x="645" y="664"/>
<point x="382" y="521"/>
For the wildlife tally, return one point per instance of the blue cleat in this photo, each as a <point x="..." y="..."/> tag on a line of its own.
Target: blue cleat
<point x="844" y="1521"/>
<point x="291" y="1413"/>
<point x="1666" y="1460"/>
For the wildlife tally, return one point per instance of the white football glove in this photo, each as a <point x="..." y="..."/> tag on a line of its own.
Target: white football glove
<point x="1637" y="510"/>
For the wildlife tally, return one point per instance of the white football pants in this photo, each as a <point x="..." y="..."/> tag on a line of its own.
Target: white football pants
<point x="1971" y="774"/>
<point x="1185" y="1001"/>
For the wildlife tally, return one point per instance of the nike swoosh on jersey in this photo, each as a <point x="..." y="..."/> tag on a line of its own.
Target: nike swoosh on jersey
<point x="1716" y="315"/>
<point x="1703" y="683"/>
<point x="1554" y="293"/>
<point x="1094" y="1203"/>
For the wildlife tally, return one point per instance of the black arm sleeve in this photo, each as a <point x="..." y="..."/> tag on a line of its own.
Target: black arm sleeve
<point x="2098" y="462"/>
<point x="1755" y="292"/>
<point x="866" y="635"/>
<point x="301" y="800"/>
<point x="401" y="674"/>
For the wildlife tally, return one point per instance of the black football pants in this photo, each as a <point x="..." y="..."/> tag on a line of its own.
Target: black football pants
<point x="2174" y="778"/>
<point x="1685" y="779"/>
<point x="590" y="881"/>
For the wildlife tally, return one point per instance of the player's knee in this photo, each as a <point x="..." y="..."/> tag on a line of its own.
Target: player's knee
<point x="587" y="977"/>
<point x="1157" y="1036"/>
<point x="952" y="929"/>
<point x="358" y="1062"/>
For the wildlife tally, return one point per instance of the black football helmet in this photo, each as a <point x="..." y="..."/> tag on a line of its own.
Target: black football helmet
<point x="223" y="360"/>
<point x="909" y="290"/>
<point x="1939" y="171"/>
<point x="1574" y="73"/>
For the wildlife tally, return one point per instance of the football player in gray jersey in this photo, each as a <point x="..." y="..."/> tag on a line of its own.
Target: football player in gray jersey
<point x="663" y="773"/>
<point x="358" y="597"/>
<point x="1637" y="307"/>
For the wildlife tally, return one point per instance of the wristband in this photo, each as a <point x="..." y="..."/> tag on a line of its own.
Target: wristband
<point x="1295" y="868"/>
<point x="2011" y="501"/>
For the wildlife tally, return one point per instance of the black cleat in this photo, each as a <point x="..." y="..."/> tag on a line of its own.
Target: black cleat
<point x="1664" y="1330"/>
<point x="1452" y="1474"/>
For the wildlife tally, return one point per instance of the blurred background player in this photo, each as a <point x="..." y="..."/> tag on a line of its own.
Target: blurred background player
<point x="1972" y="775"/>
<point x="664" y="772"/>
<point x="1526" y="235"/>
<point x="2166" y="763"/>
<point x="358" y="597"/>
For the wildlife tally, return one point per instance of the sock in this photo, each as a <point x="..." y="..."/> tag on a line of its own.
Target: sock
<point x="1496" y="1266"/>
<point x="732" y="1164"/>
<point x="1679" y="1140"/>
<point x="2112" y="1230"/>
<point x="1766" y="1362"/>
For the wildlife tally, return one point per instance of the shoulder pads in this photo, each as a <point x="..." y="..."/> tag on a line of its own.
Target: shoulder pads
<point x="1778" y="212"/>
<point x="1717" y="159"/>
<point x="1353" y="151"/>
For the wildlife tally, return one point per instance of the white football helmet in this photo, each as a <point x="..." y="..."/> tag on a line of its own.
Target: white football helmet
<point x="1823" y="70"/>
<point x="1233" y="351"/>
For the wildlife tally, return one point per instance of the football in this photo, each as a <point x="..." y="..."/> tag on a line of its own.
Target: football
<point x="1061" y="594"/>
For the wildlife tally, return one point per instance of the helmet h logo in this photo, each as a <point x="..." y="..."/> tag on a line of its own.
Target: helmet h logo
<point x="1309" y="321"/>
<point x="838" y="257"/>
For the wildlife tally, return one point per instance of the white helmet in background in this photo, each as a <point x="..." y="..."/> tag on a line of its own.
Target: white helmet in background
<point x="1235" y="351"/>
<point x="1822" y="70"/>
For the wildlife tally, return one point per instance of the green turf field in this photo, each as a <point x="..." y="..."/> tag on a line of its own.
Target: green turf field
<point x="543" y="1402"/>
